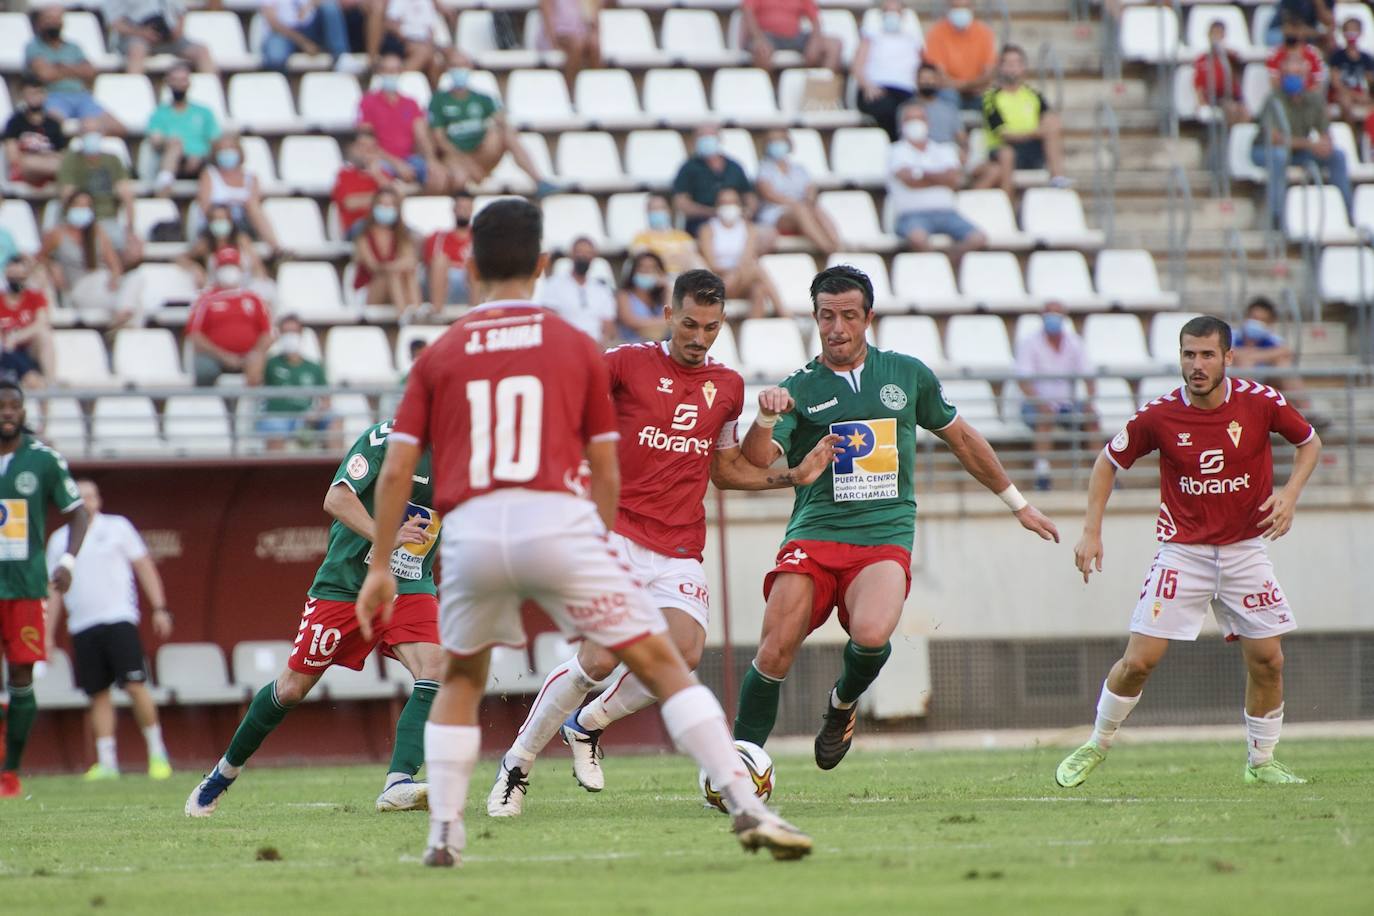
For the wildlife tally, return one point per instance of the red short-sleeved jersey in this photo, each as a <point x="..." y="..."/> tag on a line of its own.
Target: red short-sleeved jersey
<point x="507" y="398"/>
<point x="1216" y="467"/>
<point x="232" y="319"/>
<point x="455" y="247"/>
<point x="351" y="180"/>
<point x="20" y="311"/>
<point x="672" y="419"/>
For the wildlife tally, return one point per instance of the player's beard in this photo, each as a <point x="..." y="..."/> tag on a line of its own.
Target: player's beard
<point x="1212" y="384"/>
<point x="11" y="431"/>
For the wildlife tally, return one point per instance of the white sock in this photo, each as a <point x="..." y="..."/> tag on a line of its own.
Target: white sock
<point x="627" y="695"/>
<point x="1262" y="733"/>
<point x="393" y="778"/>
<point x="836" y="702"/>
<point x="697" y="725"/>
<point x="228" y="770"/>
<point x="1042" y="466"/>
<point x="152" y="736"/>
<point x="564" y="690"/>
<point x="1112" y="710"/>
<point x="450" y="755"/>
<point x="105" y="752"/>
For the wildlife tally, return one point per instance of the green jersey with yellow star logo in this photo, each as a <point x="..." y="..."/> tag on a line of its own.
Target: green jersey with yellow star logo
<point x="32" y="478"/>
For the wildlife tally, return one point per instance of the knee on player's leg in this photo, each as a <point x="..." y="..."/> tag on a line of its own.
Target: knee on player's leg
<point x="597" y="663"/>
<point x="1265" y="664"/>
<point x="292" y="686"/>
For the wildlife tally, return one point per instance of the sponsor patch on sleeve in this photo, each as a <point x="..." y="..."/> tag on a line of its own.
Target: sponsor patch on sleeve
<point x="1121" y="440"/>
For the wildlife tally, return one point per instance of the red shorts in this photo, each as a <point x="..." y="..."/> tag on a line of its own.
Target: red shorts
<point x="329" y="632"/>
<point x="23" y="631"/>
<point x="831" y="567"/>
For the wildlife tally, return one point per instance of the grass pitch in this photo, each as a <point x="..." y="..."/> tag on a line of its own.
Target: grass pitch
<point x="1158" y="829"/>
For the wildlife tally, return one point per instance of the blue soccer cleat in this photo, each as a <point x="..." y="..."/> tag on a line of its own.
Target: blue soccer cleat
<point x="205" y="798"/>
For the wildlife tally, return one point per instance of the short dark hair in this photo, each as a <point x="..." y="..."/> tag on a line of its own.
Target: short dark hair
<point x="580" y="239"/>
<point x="704" y="287"/>
<point x="11" y="385"/>
<point x="180" y="63"/>
<point x="1263" y="304"/>
<point x="463" y="194"/>
<point x="841" y="279"/>
<point x="506" y="237"/>
<point x="927" y="65"/>
<point x="1012" y="49"/>
<point x="31" y="81"/>
<point x="1206" y="326"/>
<point x="628" y="278"/>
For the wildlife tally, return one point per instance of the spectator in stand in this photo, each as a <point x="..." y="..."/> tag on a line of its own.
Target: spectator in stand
<point x="361" y="177"/>
<point x="675" y="248"/>
<point x="1256" y="343"/>
<point x="922" y="178"/>
<point x="885" y="67"/>
<point x="385" y="259"/>
<point x="64" y="69"/>
<point x="25" y="328"/>
<point x="290" y="416"/>
<point x="1310" y="140"/>
<point x="142" y="27"/>
<point x="305" y="25"/>
<point x="965" y="52"/>
<point x="1352" y="74"/>
<point x="789" y="195"/>
<point x="1023" y="132"/>
<point x="1053" y="350"/>
<point x="943" y="118"/>
<point x="34" y="139"/>
<point x="226" y="181"/>
<point x="730" y="245"/>
<point x="181" y="131"/>
<point x="584" y="301"/>
<point x="445" y="253"/>
<point x="1296" y="46"/>
<point x="573" y="27"/>
<point x="1310" y="20"/>
<point x="776" y="25"/>
<point x="471" y="132"/>
<point x="219" y="231"/>
<point x="701" y="178"/>
<point x="104" y="178"/>
<point x="640" y="301"/>
<point x="83" y="265"/>
<point x="399" y="125"/>
<point x="230" y="328"/>
<point x="1217" y="76"/>
<point x="410" y="26"/>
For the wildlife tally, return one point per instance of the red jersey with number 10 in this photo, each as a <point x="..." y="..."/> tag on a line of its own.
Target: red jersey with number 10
<point x="1216" y="467"/>
<point x="672" y="418"/>
<point x="507" y="398"/>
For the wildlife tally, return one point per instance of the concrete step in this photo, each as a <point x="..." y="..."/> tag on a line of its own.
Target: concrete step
<point x="1207" y="213"/>
<point x="1135" y="153"/>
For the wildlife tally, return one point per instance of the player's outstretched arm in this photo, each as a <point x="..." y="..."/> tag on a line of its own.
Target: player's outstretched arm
<point x="344" y="506"/>
<point x="1282" y="504"/>
<point x="1087" y="554"/>
<point x="392" y="493"/>
<point x="730" y="470"/>
<point x="758" y="446"/>
<point x="605" y="486"/>
<point x="978" y="458"/>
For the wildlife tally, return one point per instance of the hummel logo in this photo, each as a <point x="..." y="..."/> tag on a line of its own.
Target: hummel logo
<point x="1185" y="439"/>
<point x="665" y="385"/>
<point x="825" y="405"/>
<point x="418" y="479"/>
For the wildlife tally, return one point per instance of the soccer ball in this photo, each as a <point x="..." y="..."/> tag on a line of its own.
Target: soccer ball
<point x="760" y="767"/>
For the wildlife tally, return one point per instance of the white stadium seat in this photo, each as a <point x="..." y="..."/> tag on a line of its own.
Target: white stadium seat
<point x="329" y="100"/>
<point x="840" y="24"/>
<point x="83" y="29"/>
<point x="310" y="165"/>
<point x="549" y="650"/>
<point x="222" y="32"/>
<point x="856" y="218"/>
<point x="724" y="350"/>
<point x="568" y="216"/>
<point x="991" y="212"/>
<point x="590" y="160"/>
<point x="977" y="405"/>
<point x="924" y="281"/>
<point x="1343" y="139"/>
<point x="358" y="355"/>
<point x="993" y="280"/>
<point x="1200" y="19"/>
<point x="738" y="144"/>
<point x="1150" y="34"/>
<point x="426" y="332"/>
<point x="426" y="215"/>
<point x="978" y="342"/>
<point x="17" y="217"/>
<point x="195" y="672"/>
<point x="1164" y="330"/>
<point x="257" y="661"/>
<point x="342" y="683"/>
<point x="354" y="411"/>
<point x="197" y="424"/>
<point x="54" y="685"/>
<point x="258" y="159"/>
<point x="873" y="265"/>
<point x="1317" y="214"/>
<point x="1255" y="86"/>
<point x="1054" y="216"/>
<point x="206" y="89"/>
<point x="509" y="672"/>
<point x="1062" y="276"/>
<point x="792" y="88"/>
<point x="538" y="100"/>
<point x="1364" y="207"/>
<point x="675" y="97"/>
<point x="310" y="289"/>
<point x="477" y="37"/>
<point x="81" y="359"/>
<point x="126" y="96"/>
<point x="607" y="98"/>
<point x="653" y="157"/>
<point x="1116" y="343"/>
<point x="1115" y="404"/>
<point x="149" y="211"/>
<point x="744" y="96"/>
<point x="694" y="37"/>
<point x="508" y="176"/>
<point x="791" y="275"/>
<point x="261" y="103"/>
<point x="627" y="39"/>
<point x="1127" y="278"/>
<point x="298" y="225"/>
<point x="808" y="149"/>
<point x="15" y="34"/>
<point x="125" y="425"/>
<point x="1347" y="274"/>
<point x="860" y="155"/>
<point x="914" y="335"/>
<point x="770" y="348"/>
<point x="626" y="217"/>
<point x="64" y="425"/>
<point x="148" y="357"/>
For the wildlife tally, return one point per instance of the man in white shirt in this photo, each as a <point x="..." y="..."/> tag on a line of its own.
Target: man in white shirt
<point x="102" y="615"/>
<point x="1053" y="350"/>
<point x="922" y="176"/>
<point x="587" y="303"/>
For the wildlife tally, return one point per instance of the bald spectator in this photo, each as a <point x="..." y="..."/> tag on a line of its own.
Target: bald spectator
<point x="64" y="69"/>
<point x="142" y="27"/>
<point x="964" y="50"/>
<point x="776" y="25"/>
<point x="1053" y="350"/>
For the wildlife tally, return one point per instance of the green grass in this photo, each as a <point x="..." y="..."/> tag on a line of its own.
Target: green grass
<point x="1164" y="829"/>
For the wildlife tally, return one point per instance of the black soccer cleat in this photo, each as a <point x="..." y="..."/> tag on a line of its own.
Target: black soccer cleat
<point x="836" y="735"/>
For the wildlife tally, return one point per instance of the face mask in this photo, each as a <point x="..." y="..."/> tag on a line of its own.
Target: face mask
<point x="80" y="217"/>
<point x="927" y="91"/>
<point x="1290" y="40"/>
<point x="1054" y="323"/>
<point x="1006" y="79"/>
<point x="708" y="145"/>
<point x="778" y="149"/>
<point x="178" y="95"/>
<point x="51" y="33"/>
<point x="1292" y="83"/>
<point x="16" y="284"/>
<point x="1352" y="39"/>
<point x="389" y="82"/>
<point x="581" y="266"/>
<point x="729" y="214"/>
<point x="227" y="158"/>
<point x="462" y="222"/>
<point x="458" y="78"/>
<point x="916" y="130"/>
<point x="892" y="22"/>
<point x="646" y="281"/>
<point x="659" y="219"/>
<point x="90" y="142"/>
<point x="290" y="342"/>
<point x="384" y="215"/>
<point x="1253" y="327"/>
<point x="961" y="18"/>
<point x="220" y="228"/>
<point x="229" y="276"/>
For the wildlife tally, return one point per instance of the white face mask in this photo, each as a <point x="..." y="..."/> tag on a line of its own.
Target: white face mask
<point x="729" y="214"/>
<point x="916" y="130"/>
<point x="290" y="342"/>
<point x="961" y="18"/>
<point x="229" y="276"/>
<point x="892" y="21"/>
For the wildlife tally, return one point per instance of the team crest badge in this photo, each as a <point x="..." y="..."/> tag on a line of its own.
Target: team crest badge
<point x="26" y="483"/>
<point x="1120" y="441"/>
<point x="1234" y="431"/>
<point x="893" y="397"/>
<point x="357" y="467"/>
<point x="709" y="391"/>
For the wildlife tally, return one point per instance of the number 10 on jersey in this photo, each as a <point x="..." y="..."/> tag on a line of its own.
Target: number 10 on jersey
<point x="506" y="429"/>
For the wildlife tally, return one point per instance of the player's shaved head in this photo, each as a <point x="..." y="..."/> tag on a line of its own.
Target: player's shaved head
<point x="506" y="237"/>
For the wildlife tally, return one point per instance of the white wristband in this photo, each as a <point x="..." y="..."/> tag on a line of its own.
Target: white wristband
<point x="67" y="562"/>
<point x="1013" y="498"/>
<point x="767" y="421"/>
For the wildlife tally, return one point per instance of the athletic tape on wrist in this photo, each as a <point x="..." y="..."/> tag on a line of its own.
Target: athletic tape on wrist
<point x="1013" y="498"/>
<point x="767" y="421"/>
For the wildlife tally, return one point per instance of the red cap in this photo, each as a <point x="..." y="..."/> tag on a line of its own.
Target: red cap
<point x="227" y="255"/>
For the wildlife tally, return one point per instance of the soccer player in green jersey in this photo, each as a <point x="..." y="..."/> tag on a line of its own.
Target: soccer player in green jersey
<point x="32" y="477"/>
<point x="329" y="633"/>
<point x="848" y="543"/>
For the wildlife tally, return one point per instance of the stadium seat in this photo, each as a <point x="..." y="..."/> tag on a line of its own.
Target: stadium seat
<point x="791" y="89"/>
<point x="15" y="34"/>
<point x="126" y="96"/>
<point x="261" y="103"/>
<point x="1115" y="404"/>
<point x="568" y="216"/>
<point x="507" y="175"/>
<point x="206" y="89"/>
<point x="1054" y="217"/>
<point x="744" y="96"/>
<point x="675" y="98"/>
<point x="260" y="661"/>
<point x="992" y="279"/>
<point x="197" y="424"/>
<point x="977" y="342"/>
<point x="1156" y="386"/>
<point x="1260" y="21"/>
<point x="977" y="405"/>
<point x="125" y="425"/>
<point x="925" y="281"/>
<point x="63" y="424"/>
<point x="808" y="150"/>
<point x="627" y="39"/>
<point x="310" y="289"/>
<point x="873" y="265"/>
<point x="724" y="350"/>
<point x="81" y="359"/>
<point x="299" y="225"/>
<point x="1363" y="216"/>
<point x="860" y="154"/>
<point x="394" y="673"/>
<point x="1116" y="343"/>
<point x="770" y="348"/>
<point x="258" y="159"/>
<point x="839" y="23"/>
<point x="1150" y="34"/>
<point x="1317" y="214"/>
<point x="1343" y="139"/>
<point x="54" y="685"/>
<point x="477" y="37"/>
<point x="607" y="98"/>
<point x="414" y="84"/>
<point x="1200" y="19"/>
<point x="914" y="335"/>
<point x="791" y="275"/>
<point x="590" y="161"/>
<point x="1255" y="86"/>
<point x="991" y="212"/>
<point x="738" y="144"/>
<point x="1347" y="274"/>
<point x="83" y="29"/>
<point x="1126" y="278"/>
<point x="196" y="674"/>
<point x="856" y="218"/>
<point x="17" y="217"/>
<point x="222" y="32"/>
<point x="653" y="157"/>
<point x="342" y="683"/>
<point x="509" y="672"/>
<point x="309" y="165"/>
<point x="426" y="332"/>
<point x="694" y="37"/>
<point x="1062" y="276"/>
<point x="1185" y="96"/>
<point x="538" y="100"/>
<point x="329" y="100"/>
<point x="354" y="411"/>
<point x="1164" y="330"/>
<point x="149" y="211"/>
<point x="625" y="217"/>
<point x="148" y="357"/>
<point x="358" y="355"/>
<point x="550" y="649"/>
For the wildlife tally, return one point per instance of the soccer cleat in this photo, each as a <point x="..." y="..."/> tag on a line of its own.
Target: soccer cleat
<point x="586" y="754"/>
<point x="159" y="768"/>
<point x="9" y="784"/>
<point x="507" y="798"/>
<point x="1272" y="773"/>
<point x="764" y="829"/>
<point x="1075" y="768"/>
<point x="404" y="795"/>
<point x="449" y="852"/>
<point x="205" y="797"/>
<point x="835" y="736"/>
<point x="99" y="773"/>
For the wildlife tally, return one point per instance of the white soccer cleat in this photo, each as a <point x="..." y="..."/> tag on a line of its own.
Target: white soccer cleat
<point x="404" y="795"/>
<point x="204" y="798"/>
<point x="763" y="829"/>
<point x="507" y="798"/>
<point x="586" y="754"/>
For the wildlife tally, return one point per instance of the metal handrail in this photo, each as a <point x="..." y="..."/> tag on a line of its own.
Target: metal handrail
<point x="1288" y="302"/>
<point x="1106" y="161"/>
<point x="1180" y="218"/>
<point x="1235" y="275"/>
<point x="1364" y="320"/>
<point x="1111" y="46"/>
<point x="1001" y="7"/>
<point x="1050" y="64"/>
<point x="1273" y="118"/>
<point x="1219" y="128"/>
<point x="1310" y="243"/>
<point x="1166" y="66"/>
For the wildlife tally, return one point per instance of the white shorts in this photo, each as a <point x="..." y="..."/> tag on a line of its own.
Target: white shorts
<point x="516" y="545"/>
<point x="1236" y="581"/>
<point x="672" y="582"/>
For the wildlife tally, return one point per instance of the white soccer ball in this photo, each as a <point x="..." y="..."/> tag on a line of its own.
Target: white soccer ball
<point x="760" y="767"/>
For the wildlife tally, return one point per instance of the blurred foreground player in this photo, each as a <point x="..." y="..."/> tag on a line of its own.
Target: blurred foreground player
<point x="1216" y="481"/>
<point x="512" y="398"/>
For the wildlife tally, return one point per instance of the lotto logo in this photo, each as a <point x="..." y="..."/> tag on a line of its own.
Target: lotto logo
<point x="868" y="462"/>
<point x="1211" y="461"/>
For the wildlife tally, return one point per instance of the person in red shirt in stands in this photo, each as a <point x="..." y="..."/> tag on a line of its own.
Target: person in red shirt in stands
<point x="362" y="176"/>
<point x="26" y="347"/>
<point x="1294" y="43"/>
<point x="445" y="257"/>
<point x="402" y="130"/>
<point x="1217" y="76"/>
<point x="230" y="328"/>
<point x="776" y="25"/>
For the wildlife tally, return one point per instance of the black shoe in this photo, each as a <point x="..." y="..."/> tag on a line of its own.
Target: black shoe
<point x="835" y="736"/>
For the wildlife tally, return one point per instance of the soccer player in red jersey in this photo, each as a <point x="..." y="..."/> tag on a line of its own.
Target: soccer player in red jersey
<point x="511" y="399"/>
<point x="1216" y="480"/>
<point x="677" y="410"/>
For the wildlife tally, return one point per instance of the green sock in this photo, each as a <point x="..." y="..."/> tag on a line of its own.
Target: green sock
<point x="758" y="706"/>
<point x="264" y="714"/>
<point x="410" y="729"/>
<point x="861" y="667"/>
<point x="23" y="710"/>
